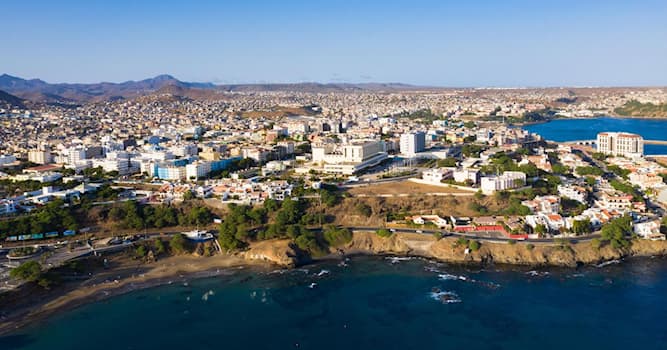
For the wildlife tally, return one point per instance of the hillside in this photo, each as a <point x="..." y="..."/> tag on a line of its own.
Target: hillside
<point x="9" y="101"/>
<point x="637" y="109"/>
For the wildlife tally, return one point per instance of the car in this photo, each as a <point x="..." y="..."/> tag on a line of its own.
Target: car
<point x="419" y="231"/>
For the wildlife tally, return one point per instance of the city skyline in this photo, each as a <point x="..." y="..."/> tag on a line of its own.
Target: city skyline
<point x="478" y="44"/>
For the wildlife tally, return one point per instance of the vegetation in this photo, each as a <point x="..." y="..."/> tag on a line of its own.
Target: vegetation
<point x="54" y="216"/>
<point x="473" y="245"/>
<point x="589" y="170"/>
<point x="627" y="189"/>
<point x="530" y="246"/>
<point x="582" y="226"/>
<point x="617" y="232"/>
<point x="619" y="171"/>
<point x="335" y="236"/>
<point x="136" y="216"/>
<point x="447" y="162"/>
<point x="29" y="271"/>
<point x="637" y="109"/>
<point x="471" y="150"/>
<point x="178" y="244"/>
<point x="383" y="232"/>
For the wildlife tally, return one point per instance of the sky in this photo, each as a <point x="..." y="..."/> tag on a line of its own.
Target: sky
<point x="472" y="43"/>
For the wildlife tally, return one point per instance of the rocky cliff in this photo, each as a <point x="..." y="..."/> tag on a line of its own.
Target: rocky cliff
<point x="521" y="253"/>
<point x="282" y="252"/>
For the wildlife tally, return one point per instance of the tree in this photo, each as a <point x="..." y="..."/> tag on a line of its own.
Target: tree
<point x="616" y="232"/>
<point x="596" y="243"/>
<point x="447" y="162"/>
<point x="582" y="226"/>
<point x="337" y="236"/>
<point x="29" y="271"/>
<point x="363" y="209"/>
<point x="540" y="229"/>
<point x="383" y="232"/>
<point x="473" y="245"/>
<point x="188" y="195"/>
<point x="178" y="244"/>
<point x="160" y="247"/>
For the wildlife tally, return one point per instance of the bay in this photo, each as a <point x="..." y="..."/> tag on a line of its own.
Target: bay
<point x="587" y="129"/>
<point x="377" y="303"/>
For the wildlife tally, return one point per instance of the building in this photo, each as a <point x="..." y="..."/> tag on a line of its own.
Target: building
<point x="646" y="180"/>
<point x="40" y="157"/>
<point x="576" y="193"/>
<point x="615" y="201"/>
<point x="620" y="144"/>
<point x="7" y="159"/>
<point x="466" y="176"/>
<point x="436" y="175"/>
<point x="543" y="204"/>
<point x="412" y="143"/>
<point x="350" y="158"/>
<point x="508" y="180"/>
<point x="7" y="207"/>
<point x="649" y="230"/>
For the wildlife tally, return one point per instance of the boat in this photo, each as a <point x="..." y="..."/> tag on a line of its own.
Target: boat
<point x="198" y="235"/>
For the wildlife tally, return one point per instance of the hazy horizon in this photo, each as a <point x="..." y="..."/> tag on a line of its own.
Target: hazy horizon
<point x="480" y="43"/>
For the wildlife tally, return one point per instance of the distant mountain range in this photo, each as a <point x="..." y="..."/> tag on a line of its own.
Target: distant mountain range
<point x="37" y="90"/>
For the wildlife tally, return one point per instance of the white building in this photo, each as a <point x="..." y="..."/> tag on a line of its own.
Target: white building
<point x="40" y="157"/>
<point x="412" y="143"/>
<point x="436" y="175"/>
<point x="75" y="154"/>
<point x="508" y="180"/>
<point x="648" y="230"/>
<point x="620" y="144"/>
<point x="7" y="159"/>
<point x="197" y="170"/>
<point x="465" y="175"/>
<point x="350" y="158"/>
<point x="576" y="193"/>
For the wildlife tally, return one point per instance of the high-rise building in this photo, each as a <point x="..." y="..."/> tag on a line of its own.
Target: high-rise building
<point x="412" y="143"/>
<point x="620" y="144"/>
<point x="40" y="157"/>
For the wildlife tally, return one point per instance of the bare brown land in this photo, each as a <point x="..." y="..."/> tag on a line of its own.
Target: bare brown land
<point x="402" y="187"/>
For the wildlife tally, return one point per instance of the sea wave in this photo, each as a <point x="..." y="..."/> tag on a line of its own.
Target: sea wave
<point x="445" y="297"/>
<point x="607" y="263"/>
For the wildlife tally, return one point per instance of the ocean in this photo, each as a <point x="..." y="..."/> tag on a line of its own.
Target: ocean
<point x="587" y="129"/>
<point x="377" y="303"/>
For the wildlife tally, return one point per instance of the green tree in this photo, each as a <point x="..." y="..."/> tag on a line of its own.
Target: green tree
<point x="178" y="244"/>
<point x="29" y="271"/>
<point x="383" y="232"/>
<point x="474" y="245"/>
<point x="337" y="236"/>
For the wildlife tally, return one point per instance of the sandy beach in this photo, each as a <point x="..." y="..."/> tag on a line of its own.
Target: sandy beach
<point x="126" y="277"/>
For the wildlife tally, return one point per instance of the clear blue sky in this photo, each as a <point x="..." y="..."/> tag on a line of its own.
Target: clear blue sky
<point x="429" y="42"/>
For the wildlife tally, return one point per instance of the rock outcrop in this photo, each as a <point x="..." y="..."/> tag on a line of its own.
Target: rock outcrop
<point x="521" y="253"/>
<point x="277" y="251"/>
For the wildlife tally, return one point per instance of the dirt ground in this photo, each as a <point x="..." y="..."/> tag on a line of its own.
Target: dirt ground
<point x="403" y="187"/>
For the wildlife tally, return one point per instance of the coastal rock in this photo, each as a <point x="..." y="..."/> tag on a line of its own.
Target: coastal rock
<point x="446" y="249"/>
<point x="278" y="251"/>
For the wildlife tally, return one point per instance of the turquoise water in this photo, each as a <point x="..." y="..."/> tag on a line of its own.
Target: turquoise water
<point x="375" y="304"/>
<point x="587" y="129"/>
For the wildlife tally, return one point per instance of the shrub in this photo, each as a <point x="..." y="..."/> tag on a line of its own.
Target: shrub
<point x="383" y="232"/>
<point x="28" y="271"/>
<point x="530" y="246"/>
<point x="474" y="245"/>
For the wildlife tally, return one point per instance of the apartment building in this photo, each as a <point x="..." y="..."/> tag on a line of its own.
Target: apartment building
<point x="508" y="180"/>
<point x="412" y="143"/>
<point x="620" y="144"/>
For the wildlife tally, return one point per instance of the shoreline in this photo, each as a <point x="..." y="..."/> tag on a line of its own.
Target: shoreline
<point x="127" y="278"/>
<point x="584" y="118"/>
<point x="174" y="269"/>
